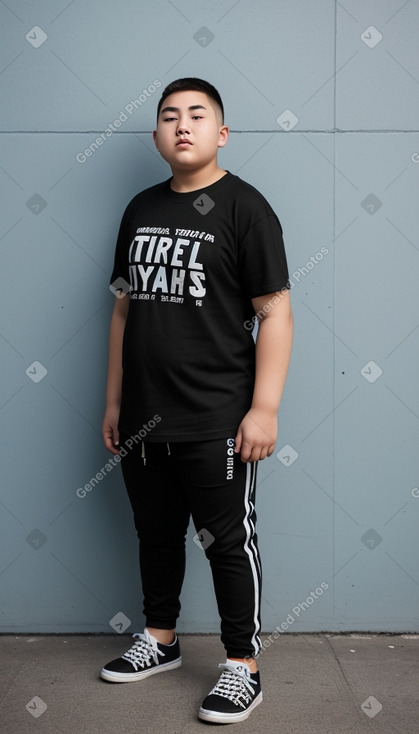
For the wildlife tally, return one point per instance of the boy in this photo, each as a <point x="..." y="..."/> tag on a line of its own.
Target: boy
<point x="189" y="397"/>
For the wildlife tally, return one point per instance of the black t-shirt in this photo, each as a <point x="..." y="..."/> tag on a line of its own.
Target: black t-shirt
<point x="193" y="261"/>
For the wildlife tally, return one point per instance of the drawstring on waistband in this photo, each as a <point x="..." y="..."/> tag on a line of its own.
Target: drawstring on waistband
<point x="143" y="456"/>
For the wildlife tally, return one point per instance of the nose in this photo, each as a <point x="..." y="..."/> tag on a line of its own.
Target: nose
<point x="182" y="128"/>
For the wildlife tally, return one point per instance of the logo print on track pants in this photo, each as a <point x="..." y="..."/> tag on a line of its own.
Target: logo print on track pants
<point x="230" y="458"/>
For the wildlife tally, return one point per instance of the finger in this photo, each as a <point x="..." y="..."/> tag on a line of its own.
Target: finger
<point x="113" y="449"/>
<point x="246" y="452"/>
<point x="238" y="442"/>
<point x="110" y="447"/>
<point x="109" y="442"/>
<point x="115" y="436"/>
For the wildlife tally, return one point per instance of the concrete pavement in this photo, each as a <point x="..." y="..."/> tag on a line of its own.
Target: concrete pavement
<point x="312" y="684"/>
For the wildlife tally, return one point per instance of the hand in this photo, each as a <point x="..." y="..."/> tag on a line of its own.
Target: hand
<point x="256" y="435"/>
<point x="110" y="431"/>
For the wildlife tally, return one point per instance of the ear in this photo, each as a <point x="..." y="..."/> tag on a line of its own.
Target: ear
<point x="223" y="136"/>
<point x="155" y="139"/>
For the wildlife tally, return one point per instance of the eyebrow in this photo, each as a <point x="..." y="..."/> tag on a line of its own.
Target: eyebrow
<point x="176" y="109"/>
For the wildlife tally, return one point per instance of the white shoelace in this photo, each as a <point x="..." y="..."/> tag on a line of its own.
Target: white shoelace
<point x="234" y="684"/>
<point x="143" y="651"/>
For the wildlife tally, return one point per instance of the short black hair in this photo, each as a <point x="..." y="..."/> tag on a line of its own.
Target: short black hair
<point x="191" y="84"/>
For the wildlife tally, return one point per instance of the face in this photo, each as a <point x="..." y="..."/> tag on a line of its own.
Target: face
<point x="189" y="130"/>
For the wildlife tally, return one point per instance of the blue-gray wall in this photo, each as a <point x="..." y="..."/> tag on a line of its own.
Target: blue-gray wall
<point x="322" y="101"/>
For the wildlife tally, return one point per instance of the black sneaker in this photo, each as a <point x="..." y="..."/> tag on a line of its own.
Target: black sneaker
<point x="144" y="658"/>
<point x="235" y="695"/>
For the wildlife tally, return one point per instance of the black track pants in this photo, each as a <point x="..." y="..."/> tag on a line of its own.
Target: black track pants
<point x="167" y="483"/>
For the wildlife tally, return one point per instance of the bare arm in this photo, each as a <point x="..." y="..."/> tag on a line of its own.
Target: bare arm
<point x="257" y="433"/>
<point x="114" y="383"/>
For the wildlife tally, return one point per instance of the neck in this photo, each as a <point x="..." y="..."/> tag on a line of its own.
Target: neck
<point x="184" y="181"/>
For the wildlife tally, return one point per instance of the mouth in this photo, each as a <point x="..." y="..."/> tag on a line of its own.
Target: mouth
<point x="183" y="143"/>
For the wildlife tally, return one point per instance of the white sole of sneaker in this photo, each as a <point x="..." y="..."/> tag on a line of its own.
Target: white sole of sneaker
<point x="114" y="677"/>
<point x="217" y="718"/>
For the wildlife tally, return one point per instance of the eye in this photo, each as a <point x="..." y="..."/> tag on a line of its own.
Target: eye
<point x="168" y="119"/>
<point x="197" y="117"/>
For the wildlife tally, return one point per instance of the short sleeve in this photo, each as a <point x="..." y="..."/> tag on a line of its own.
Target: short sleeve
<point x="262" y="258"/>
<point x="121" y="264"/>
